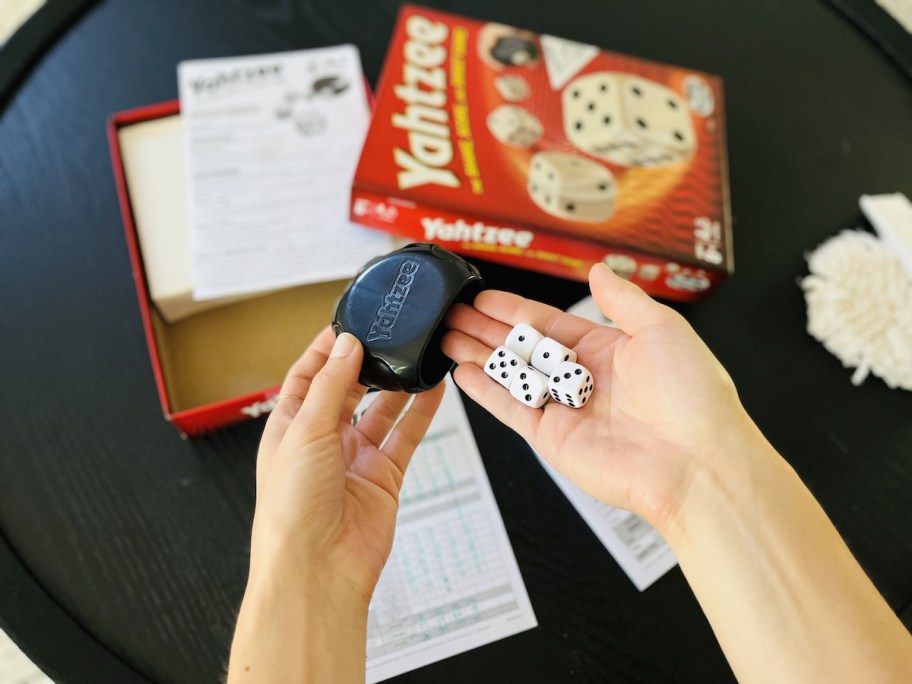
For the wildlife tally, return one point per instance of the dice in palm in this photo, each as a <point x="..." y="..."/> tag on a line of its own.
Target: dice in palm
<point x="522" y="340"/>
<point x="570" y="384"/>
<point x="530" y="386"/>
<point x="503" y="365"/>
<point x="548" y="353"/>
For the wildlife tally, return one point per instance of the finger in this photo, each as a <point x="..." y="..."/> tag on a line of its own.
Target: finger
<point x="381" y="415"/>
<point x="512" y="309"/>
<point x="463" y="348"/>
<point x="482" y="327"/>
<point x="334" y="391"/>
<point x="410" y="430"/>
<point x="301" y="374"/>
<point x="295" y="387"/>
<point x="497" y="401"/>
<point x="354" y="400"/>
<point x="625" y="303"/>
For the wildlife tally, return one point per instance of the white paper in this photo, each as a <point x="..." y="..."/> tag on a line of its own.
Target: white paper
<point x="901" y="10"/>
<point x="564" y="59"/>
<point x="891" y="216"/>
<point x="272" y="143"/>
<point x="14" y="14"/>
<point x="451" y="583"/>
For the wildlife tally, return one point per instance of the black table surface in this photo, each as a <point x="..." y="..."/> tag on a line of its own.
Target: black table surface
<point x="124" y="549"/>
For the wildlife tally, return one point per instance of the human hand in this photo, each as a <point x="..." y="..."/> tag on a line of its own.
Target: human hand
<point x="662" y="411"/>
<point x="327" y="496"/>
<point x="327" y="490"/>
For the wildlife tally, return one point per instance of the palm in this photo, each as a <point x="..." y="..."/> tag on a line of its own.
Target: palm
<point x="656" y="390"/>
<point x="632" y="431"/>
<point x="367" y="507"/>
<point x="326" y="488"/>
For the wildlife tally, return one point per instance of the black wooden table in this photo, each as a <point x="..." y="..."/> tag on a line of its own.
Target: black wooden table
<point x="123" y="549"/>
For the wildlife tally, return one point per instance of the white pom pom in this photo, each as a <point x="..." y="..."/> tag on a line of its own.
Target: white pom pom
<point x="859" y="303"/>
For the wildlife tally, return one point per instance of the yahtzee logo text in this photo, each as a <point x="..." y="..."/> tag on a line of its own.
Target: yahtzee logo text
<point x="393" y="301"/>
<point x="423" y="90"/>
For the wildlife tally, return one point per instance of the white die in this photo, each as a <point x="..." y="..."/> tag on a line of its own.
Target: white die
<point x="570" y="384"/>
<point x="513" y="125"/>
<point x="503" y="365"/>
<point x="522" y="340"/>
<point x="530" y="386"/>
<point x="548" y="353"/>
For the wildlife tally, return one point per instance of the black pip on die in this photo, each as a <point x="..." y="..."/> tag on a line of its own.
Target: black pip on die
<point x="570" y="384"/>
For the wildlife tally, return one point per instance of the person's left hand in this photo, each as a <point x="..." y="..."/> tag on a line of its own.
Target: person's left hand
<point x="327" y="490"/>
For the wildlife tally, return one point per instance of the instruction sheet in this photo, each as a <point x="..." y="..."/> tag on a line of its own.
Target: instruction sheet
<point x="272" y="142"/>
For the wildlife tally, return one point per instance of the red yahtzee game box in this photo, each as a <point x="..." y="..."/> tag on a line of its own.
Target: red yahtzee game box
<point x="548" y="154"/>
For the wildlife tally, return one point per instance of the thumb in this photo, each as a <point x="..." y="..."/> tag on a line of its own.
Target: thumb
<point x="626" y="304"/>
<point x="331" y="388"/>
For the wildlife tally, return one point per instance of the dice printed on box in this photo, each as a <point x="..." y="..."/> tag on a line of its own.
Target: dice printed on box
<point x="570" y="384"/>
<point x="627" y="120"/>
<point x="548" y="353"/>
<point x="515" y="50"/>
<point x="622" y="264"/>
<point x="591" y="109"/>
<point x="659" y="115"/>
<point x="530" y="386"/>
<point x="513" y="125"/>
<point x="512" y="87"/>
<point x="571" y="187"/>
<point x="503" y="365"/>
<point x="522" y="340"/>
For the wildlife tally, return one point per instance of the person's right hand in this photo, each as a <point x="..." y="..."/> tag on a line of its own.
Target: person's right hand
<point x="662" y="411"/>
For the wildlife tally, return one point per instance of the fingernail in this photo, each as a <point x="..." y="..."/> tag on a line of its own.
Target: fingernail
<point x="343" y="346"/>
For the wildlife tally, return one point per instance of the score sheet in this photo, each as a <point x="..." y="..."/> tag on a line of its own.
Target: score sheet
<point x="451" y="583"/>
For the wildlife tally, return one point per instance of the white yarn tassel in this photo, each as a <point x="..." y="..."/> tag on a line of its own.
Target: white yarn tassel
<point x="859" y="303"/>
